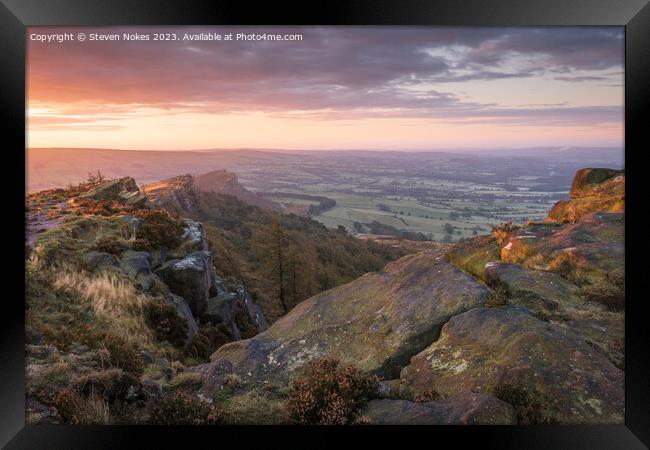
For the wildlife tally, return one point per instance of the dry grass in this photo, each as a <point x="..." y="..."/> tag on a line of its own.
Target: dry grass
<point x="536" y="262"/>
<point x="111" y="297"/>
<point x="77" y="409"/>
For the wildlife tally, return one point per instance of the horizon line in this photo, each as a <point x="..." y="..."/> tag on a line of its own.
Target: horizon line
<point x="262" y="149"/>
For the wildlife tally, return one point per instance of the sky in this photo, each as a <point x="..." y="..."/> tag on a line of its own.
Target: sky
<point x="398" y="88"/>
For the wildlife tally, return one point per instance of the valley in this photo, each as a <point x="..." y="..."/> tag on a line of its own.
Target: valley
<point x="440" y="196"/>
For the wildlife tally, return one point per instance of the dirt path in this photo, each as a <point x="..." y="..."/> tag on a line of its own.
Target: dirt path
<point x="41" y="217"/>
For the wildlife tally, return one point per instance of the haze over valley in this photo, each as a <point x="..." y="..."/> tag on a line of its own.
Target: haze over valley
<point x="417" y="195"/>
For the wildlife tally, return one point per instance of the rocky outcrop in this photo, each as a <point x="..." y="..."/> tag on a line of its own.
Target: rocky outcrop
<point x="223" y="182"/>
<point x="133" y="222"/>
<point x="533" y="308"/>
<point x="570" y="272"/>
<point x="178" y="193"/>
<point x="588" y="182"/>
<point x="224" y="308"/>
<point x="591" y="190"/>
<point x="123" y="190"/>
<point x="467" y="408"/>
<point x="221" y="309"/>
<point x="589" y="253"/>
<point x="253" y="311"/>
<point x="94" y="260"/>
<point x="482" y="348"/>
<point x="183" y="310"/>
<point x="547" y="289"/>
<point x="472" y="256"/>
<point x="193" y="236"/>
<point x="377" y="322"/>
<point x="137" y="266"/>
<point x="191" y="278"/>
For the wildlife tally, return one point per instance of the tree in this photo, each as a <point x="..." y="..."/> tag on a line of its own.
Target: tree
<point x="279" y="243"/>
<point x="449" y="228"/>
<point x="270" y="246"/>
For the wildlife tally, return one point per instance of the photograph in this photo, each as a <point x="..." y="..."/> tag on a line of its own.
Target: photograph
<point x="310" y="224"/>
<point x="325" y="225"/>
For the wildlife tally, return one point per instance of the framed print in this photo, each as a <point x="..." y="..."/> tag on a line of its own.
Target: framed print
<point x="353" y="217"/>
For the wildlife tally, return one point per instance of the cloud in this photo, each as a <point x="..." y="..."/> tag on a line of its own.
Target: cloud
<point x="579" y="79"/>
<point x="333" y="72"/>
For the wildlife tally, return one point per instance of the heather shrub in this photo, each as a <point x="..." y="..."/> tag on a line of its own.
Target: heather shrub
<point x="110" y="244"/>
<point x="114" y="351"/>
<point x="605" y="293"/>
<point x="328" y="393"/>
<point x="185" y="381"/>
<point x="542" y="315"/>
<point x="122" y="353"/>
<point x="112" y="385"/>
<point x="181" y="408"/>
<point x="529" y="405"/>
<point x="247" y="329"/>
<point x="159" y="229"/>
<point x="426" y="396"/>
<point x="207" y="341"/>
<point x="498" y="297"/>
<point x="165" y="322"/>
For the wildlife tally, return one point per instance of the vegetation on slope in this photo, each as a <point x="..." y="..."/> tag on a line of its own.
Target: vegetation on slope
<point x="283" y="258"/>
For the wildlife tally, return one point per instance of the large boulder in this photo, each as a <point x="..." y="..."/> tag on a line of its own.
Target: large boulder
<point x="472" y="255"/>
<point x="217" y="285"/>
<point x="193" y="238"/>
<point x="137" y="266"/>
<point x="133" y="222"/>
<point x="221" y="310"/>
<point x="483" y="348"/>
<point x="253" y="311"/>
<point x="237" y="311"/>
<point x="376" y="322"/>
<point x="94" y="260"/>
<point x="134" y="198"/>
<point x="111" y="190"/>
<point x="467" y="408"/>
<point x="190" y="277"/>
<point x="549" y="295"/>
<point x="589" y="252"/>
<point x="546" y="289"/>
<point x="183" y="310"/>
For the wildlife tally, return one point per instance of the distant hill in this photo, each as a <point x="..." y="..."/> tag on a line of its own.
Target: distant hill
<point x="58" y="167"/>
<point x="223" y="182"/>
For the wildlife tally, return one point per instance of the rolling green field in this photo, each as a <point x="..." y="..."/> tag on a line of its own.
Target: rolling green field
<point x="428" y="217"/>
<point x="422" y="195"/>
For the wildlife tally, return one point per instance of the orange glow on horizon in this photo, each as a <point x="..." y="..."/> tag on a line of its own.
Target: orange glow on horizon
<point x="114" y="95"/>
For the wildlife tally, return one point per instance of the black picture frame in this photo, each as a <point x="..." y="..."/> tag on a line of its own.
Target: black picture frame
<point x="15" y="15"/>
